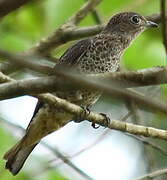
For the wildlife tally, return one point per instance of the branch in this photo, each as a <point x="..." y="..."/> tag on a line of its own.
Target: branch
<point x="101" y="120"/>
<point x="153" y="174"/>
<point x="98" y="140"/>
<point x="72" y="81"/>
<point x="100" y="81"/>
<point x="96" y="16"/>
<point x="83" y="11"/>
<point x="7" y="6"/>
<point x="149" y="143"/>
<point x="96" y="118"/>
<point x="24" y="61"/>
<point x="67" y="161"/>
<point x="54" y="150"/>
<point x="57" y="37"/>
<point x="164" y="23"/>
<point x="127" y="79"/>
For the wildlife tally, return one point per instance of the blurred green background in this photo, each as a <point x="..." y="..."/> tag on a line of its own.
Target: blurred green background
<point x="21" y="29"/>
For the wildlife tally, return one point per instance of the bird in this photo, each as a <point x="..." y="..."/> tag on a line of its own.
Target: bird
<point x="97" y="54"/>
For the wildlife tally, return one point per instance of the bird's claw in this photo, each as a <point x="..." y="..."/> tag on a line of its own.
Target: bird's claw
<point x="86" y="111"/>
<point x="105" y="123"/>
<point x="106" y="120"/>
<point x="95" y="126"/>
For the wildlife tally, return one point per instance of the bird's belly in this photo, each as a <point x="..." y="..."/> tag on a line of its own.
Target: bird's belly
<point x="80" y="97"/>
<point x="89" y="97"/>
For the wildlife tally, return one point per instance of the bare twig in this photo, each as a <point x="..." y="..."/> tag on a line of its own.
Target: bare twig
<point x="51" y="83"/>
<point x="149" y="143"/>
<point x="55" y="39"/>
<point x="25" y="62"/>
<point x="96" y="16"/>
<point x="54" y="150"/>
<point x="7" y="67"/>
<point x="7" y="6"/>
<point x="153" y="174"/>
<point x="89" y="146"/>
<point x="4" y="78"/>
<point x="48" y="84"/>
<point x="83" y="11"/>
<point x="100" y="119"/>
<point x="136" y="118"/>
<point x="164" y="24"/>
<point x="98" y="140"/>
<point x="145" y="77"/>
<point x="67" y="161"/>
<point x="155" y="18"/>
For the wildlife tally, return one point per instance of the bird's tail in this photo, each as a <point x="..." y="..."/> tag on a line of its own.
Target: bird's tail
<point x="17" y="156"/>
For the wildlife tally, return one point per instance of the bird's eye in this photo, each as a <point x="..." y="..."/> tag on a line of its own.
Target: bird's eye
<point x="135" y="19"/>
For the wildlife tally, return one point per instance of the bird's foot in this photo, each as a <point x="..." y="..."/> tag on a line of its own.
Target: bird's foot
<point x="105" y="123"/>
<point x="95" y="126"/>
<point x="86" y="111"/>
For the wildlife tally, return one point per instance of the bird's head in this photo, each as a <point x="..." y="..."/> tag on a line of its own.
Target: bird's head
<point x="128" y="23"/>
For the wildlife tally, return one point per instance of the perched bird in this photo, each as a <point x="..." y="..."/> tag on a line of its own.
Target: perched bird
<point x="97" y="54"/>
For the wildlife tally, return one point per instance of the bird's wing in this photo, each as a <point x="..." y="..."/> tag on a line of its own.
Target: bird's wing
<point x="70" y="58"/>
<point x="38" y="106"/>
<point x="73" y="54"/>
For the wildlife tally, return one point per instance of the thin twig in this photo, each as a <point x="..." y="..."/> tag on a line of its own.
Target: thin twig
<point x="54" y="150"/>
<point x="144" y="77"/>
<point x="164" y="24"/>
<point x="51" y="83"/>
<point x="98" y="140"/>
<point x="96" y="16"/>
<point x="67" y="161"/>
<point x="153" y="174"/>
<point x="83" y="11"/>
<point x="57" y="37"/>
<point x="26" y="61"/>
<point x="149" y="143"/>
<point x="7" y="6"/>
<point x="96" y="118"/>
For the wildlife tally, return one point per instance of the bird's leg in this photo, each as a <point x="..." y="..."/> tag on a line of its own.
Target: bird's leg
<point x="106" y="121"/>
<point x="86" y="111"/>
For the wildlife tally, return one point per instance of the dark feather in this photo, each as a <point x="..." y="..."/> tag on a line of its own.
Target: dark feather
<point x="73" y="54"/>
<point x="38" y="106"/>
<point x="16" y="157"/>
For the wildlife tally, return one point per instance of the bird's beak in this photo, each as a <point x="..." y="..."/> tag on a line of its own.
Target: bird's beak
<point x="151" y="24"/>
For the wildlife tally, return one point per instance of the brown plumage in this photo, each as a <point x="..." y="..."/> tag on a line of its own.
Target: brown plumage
<point x="97" y="54"/>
